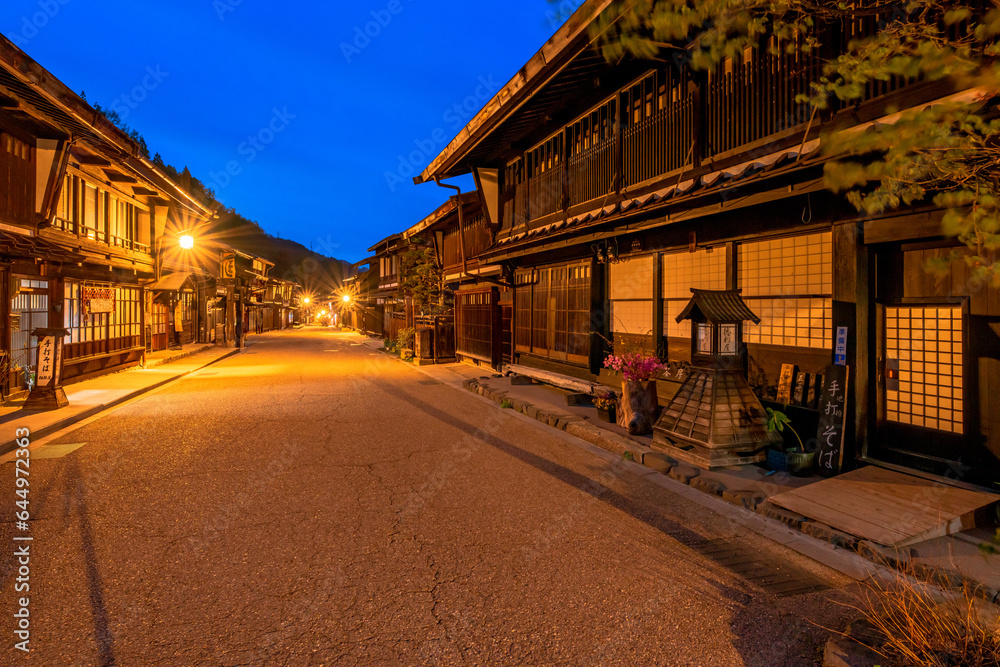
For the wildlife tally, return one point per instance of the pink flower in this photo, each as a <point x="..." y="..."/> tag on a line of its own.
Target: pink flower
<point x="634" y="365"/>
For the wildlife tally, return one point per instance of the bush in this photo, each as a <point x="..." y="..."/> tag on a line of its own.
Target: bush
<point x="925" y="626"/>
<point x="404" y="338"/>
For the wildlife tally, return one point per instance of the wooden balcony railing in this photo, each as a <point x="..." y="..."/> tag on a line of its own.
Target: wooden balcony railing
<point x="663" y="123"/>
<point x="659" y="144"/>
<point x="545" y="192"/>
<point x="591" y="174"/>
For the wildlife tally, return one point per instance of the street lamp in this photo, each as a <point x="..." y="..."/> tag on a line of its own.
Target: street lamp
<point x="306" y="301"/>
<point x="347" y="298"/>
<point x="185" y="241"/>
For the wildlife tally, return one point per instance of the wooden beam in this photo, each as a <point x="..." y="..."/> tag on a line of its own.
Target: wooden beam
<point x="557" y="379"/>
<point x="118" y="177"/>
<point x="94" y="160"/>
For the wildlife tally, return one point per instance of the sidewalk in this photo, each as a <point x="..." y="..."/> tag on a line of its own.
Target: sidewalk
<point x="951" y="560"/>
<point x="90" y="397"/>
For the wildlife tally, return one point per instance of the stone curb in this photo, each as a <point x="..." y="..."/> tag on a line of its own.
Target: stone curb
<point x="749" y="500"/>
<point x="571" y="424"/>
<point x="8" y="447"/>
<point x="161" y="362"/>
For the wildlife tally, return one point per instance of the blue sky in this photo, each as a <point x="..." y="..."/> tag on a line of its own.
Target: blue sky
<point x="310" y="118"/>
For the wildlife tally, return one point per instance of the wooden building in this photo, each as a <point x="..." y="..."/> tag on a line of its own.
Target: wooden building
<point x="362" y="311"/>
<point x="458" y="233"/>
<point x="276" y="306"/>
<point x="387" y="297"/>
<point x="616" y="188"/>
<point x="83" y="216"/>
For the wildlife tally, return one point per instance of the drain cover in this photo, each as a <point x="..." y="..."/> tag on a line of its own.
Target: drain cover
<point x="777" y="578"/>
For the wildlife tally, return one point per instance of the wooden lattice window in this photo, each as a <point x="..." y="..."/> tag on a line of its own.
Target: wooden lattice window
<point x="553" y="312"/>
<point x="702" y="269"/>
<point x="788" y="283"/>
<point x="927" y="342"/>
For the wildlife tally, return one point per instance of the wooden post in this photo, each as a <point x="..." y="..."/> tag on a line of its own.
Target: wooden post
<point x="659" y="342"/>
<point x="853" y="308"/>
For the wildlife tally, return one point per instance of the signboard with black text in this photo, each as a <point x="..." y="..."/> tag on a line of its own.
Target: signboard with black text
<point x="832" y="421"/>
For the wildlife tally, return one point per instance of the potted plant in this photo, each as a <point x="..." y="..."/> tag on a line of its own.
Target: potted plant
<point x="606" y="405"/>
<point x="639" y="405"/>
<point x="796" y="460"/>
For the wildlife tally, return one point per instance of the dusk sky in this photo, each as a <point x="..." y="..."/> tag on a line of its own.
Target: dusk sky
<point x="207" y="81"/>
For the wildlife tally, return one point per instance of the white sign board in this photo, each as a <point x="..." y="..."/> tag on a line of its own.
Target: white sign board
<point x="102" y="305"/>
<point x="49" y="362"/>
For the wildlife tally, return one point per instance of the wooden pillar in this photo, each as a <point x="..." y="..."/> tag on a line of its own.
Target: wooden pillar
<point x="56" y="301"/>
<point x="5" y="304"/>
<point x="732" y="266"/>
<point x="660" y="342"/>
<point x="853" y="308"/>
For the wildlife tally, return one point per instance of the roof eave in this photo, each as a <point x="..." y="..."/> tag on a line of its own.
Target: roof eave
<point x="554" y="55"/>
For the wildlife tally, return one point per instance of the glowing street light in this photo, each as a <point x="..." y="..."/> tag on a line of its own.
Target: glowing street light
<point x="187" y="241"/>
<point x="347" y="298"/>
<point x="306" y="301"/>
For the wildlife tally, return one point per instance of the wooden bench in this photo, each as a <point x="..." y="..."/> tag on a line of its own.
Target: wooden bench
<point x="558" y="380"/>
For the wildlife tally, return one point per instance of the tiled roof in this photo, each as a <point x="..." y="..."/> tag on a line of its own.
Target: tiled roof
<point x="719" y="306"/>
<point x="714" y="181"/>
<point x="31" y="247"/>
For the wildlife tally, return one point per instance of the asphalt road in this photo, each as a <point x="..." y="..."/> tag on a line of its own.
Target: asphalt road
<point x="313" y="502"/>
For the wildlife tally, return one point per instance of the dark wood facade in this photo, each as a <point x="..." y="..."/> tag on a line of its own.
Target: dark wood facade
<point x="612" y="189"/>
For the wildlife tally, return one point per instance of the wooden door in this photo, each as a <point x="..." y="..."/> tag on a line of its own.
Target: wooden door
<point x="922" y="406"/>
<point x="159" y="326"/>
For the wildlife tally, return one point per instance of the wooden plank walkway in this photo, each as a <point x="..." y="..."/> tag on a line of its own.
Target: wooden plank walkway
<point x="887" y="507"/>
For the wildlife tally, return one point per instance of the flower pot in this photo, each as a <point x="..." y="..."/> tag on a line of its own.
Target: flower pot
<point x="795" y="463"/>
<point x="607" y="414"/>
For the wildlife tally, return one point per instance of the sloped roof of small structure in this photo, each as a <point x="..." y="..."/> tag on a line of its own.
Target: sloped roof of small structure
<point x="172" y="282"/>
<point x="718" y="306"/>
<point x="716" y="409"/>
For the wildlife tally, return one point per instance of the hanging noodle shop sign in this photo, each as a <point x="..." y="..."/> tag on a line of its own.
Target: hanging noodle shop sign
<point x="99" y="299"/>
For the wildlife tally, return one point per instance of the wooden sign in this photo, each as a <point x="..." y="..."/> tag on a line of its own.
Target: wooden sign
<point x="228" y="267"/>
<point x="799" y="394"/>
<point x="785" y="383"/>
<point x="99" y="299"/>
<point x="815" y="389"/>
<point x="102" y="305"/>
<point x="49" y="361"/>
<point x="832" y="421"/>
<point x="15" y="321"/>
